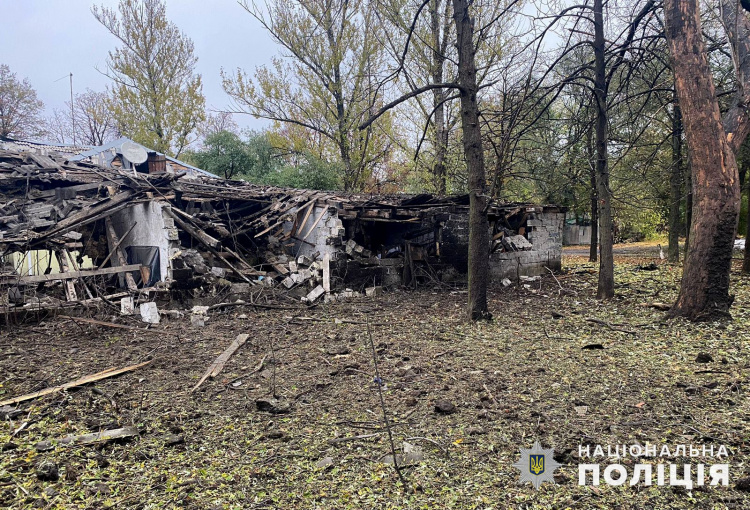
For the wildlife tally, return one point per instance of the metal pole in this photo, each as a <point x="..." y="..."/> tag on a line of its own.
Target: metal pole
<point x="72" y="115"/>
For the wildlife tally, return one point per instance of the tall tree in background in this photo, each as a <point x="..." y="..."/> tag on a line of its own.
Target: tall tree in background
<point x="616" y="59"/>
<point x="328" y="82"/>
<point x="479" y="230"/>
<point x="467" y="85"/>
<point x="224" y="154"/>
<point x="675" y="185"/>
<point x="157" y="98"/>
<point x="712" y="143"/>
<point x="94" y="120"/>
<point x="20" y="109"/>
<point x="218" y="122"/>
<point x="431" y="60"/>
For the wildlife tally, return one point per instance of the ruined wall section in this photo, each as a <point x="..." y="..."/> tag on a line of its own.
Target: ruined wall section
<point x="454" y="240"/>
<point x="326" y="236"/>
<point x="151" y="227"/>
<point x="544" y="232"/>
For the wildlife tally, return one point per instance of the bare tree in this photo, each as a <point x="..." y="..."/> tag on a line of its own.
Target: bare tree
<point x="20" y="108"/>
<point x="326" y="83"/>
<point x="92" y="121"/>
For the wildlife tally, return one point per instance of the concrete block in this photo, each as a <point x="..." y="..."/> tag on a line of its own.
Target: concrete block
<point x="150" y="313"/>
<point x="373" y="291"/>
<point x="219" y="272"/>
<point x="315" y="294"/>
<point x="239" y="288"/>
<point x="126" y="306"/>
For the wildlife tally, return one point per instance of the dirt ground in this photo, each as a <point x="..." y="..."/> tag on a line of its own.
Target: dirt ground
<point x="542" y="370"/>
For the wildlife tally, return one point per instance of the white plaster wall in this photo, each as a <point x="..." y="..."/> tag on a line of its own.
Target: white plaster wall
<point x="150" y="230"/>
<point x="326" y="228"/>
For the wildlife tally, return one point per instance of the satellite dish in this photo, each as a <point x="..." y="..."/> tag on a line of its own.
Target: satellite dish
<point x="134" y="153"/>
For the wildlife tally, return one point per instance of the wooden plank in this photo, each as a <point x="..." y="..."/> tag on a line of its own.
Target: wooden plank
<point x="70" y="289"/>
<point x="80" y="187"/>
<point x="218" y="364"/>
<point x="27" y="280"/>
<point x="327" y="272"/>
<point x="112" y="252"/>
<point x="111" y="325"/>
<point x="97" y="437"/>
<point x="322" y="213"/>
<point x="121" y="259"/>
<point x="104" y="374"/>
<point x="75" y="267"/>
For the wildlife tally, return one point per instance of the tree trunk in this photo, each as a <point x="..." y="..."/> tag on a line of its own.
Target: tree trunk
<point x="675" y="186"/>
<point x="746" y="260"/>
<point x="704" y="292"/>
<point x="594" y="243"/>
<point x="438" y="98"/>
<point x="479" y="230"/>
<point x="606" y="287"/>
<point x="688" y="203"/>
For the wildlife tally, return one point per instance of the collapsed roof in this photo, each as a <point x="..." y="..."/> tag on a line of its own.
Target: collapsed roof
<point x="254" y="232"/>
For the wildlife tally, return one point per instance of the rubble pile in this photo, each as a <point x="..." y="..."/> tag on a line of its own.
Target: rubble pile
<point x="76" y="232"/>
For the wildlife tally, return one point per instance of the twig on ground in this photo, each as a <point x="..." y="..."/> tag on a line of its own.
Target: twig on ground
<point x="438" y="445"/>
<point x="613" y="327"/>
<point x="379" y="383"/>
<point x="339" y="440"/>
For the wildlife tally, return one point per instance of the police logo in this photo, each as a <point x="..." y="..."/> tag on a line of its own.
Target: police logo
<point x="537" y="465"/>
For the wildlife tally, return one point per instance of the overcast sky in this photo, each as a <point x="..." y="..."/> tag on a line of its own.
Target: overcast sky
<point x="45" y="40"/>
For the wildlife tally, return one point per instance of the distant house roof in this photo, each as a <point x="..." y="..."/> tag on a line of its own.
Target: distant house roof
<point x="43" y="148"/>
<point x="114" y="148"/>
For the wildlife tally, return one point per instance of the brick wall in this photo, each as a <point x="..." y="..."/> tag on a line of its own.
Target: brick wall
<point x="544" y="231"/>
<point x="455" y="241"/>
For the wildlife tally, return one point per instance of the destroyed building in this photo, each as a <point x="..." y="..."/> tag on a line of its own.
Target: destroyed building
<point x="72" y="230"/>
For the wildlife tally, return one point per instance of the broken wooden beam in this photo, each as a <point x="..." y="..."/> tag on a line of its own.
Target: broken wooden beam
<point x="27" y="280"/>
<point x="110" y="324"/>
<point x="103" y="209"/>
<point x="322" y="213"/>
<point x="76" y="267"/>
<point x="110" y="372"/>
<point x="119" y="242"/>
<point x="84" y="439"/>
<point x="121" y="259"/>
<point x="70" y="289"/>
<point x="198" y="234"/>
<point x="218" y="365"/>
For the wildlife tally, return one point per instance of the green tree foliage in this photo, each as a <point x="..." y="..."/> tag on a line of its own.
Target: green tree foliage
<point x="224" y="154"/>
<point x="156" y="97"/>
<point x="255" y="159"/>
<point x="19" y="107"/>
